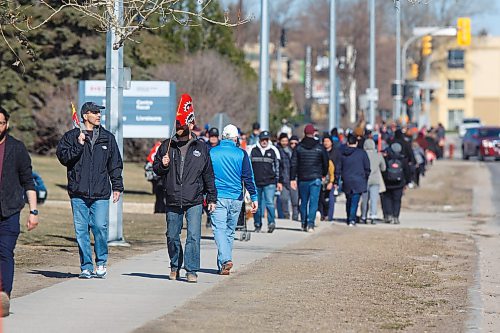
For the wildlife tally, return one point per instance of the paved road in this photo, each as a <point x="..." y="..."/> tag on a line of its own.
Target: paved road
<point x="495" y="181"/>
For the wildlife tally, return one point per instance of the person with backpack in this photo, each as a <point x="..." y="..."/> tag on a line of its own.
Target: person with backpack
<point x="354" y="168"/>
<point x="396" y="177"/>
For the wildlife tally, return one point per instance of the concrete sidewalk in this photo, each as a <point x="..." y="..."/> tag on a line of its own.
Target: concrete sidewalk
<point x="136" y="291"/>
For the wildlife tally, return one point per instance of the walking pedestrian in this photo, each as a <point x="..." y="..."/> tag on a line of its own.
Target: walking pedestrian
<point x="294" y="192"/>
<point x="265" y="160"/>
<point x="94" y="170"/>
<point x="375" y="181"/>
<point x="15" y="181"/>
<point x="254" y="136"/>
<point x="213" y="138"/>
<point x="396" y="178"/>
<point x="354" y="168"/>
<point x="232" y="167"/>
<point x="309" y="166"/>
<point x="184" y="163"/>
<point x="327" y="196"/>
<point x="285" y="151"/>
<point x="158" y="189"/>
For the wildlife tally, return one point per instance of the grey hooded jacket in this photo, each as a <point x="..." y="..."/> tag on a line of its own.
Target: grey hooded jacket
<point x="377" y="163"/>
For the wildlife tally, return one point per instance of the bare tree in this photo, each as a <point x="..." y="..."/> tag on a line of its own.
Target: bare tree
<point x="215" y="85"/>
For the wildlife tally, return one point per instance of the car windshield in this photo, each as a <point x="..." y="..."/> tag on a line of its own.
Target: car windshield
<point x="486" y="132"/>
<point x="471" y="121"/>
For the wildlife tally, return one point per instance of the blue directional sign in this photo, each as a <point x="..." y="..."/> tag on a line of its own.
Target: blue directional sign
<point x="149" y="107"/>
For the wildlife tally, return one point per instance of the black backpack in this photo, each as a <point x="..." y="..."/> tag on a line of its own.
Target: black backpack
<point x="395" y="173"/>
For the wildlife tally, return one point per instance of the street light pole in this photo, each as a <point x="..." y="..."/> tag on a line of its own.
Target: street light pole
<point x="372" y="97"/>
<point x="264" y="67"/>
<point x="332" y="69"/>
<point x="396" y="111"/>
<point x="114" y="119"/>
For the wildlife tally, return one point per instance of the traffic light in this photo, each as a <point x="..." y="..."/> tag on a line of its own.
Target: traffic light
<point x="463" y="31"/>
<point x="289" y="69"/>
<point x="414" y="70"/>
<point x="426" y="45"/>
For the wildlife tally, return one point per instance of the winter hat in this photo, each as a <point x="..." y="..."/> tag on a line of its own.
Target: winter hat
<point x="229" y="132"/>
<point x="185" y="111"/>
<point x="213" y="132"/>
<point x="264" y="135"/>
<point x="309" y="129"/>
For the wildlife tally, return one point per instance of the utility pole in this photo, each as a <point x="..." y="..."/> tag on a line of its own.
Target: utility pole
<point x="396" y="111"/>
<point x="333" y="69"/>
<point x="114" y="118"/>
<point x="264" y="67"/>
<point x="372" y="95"/>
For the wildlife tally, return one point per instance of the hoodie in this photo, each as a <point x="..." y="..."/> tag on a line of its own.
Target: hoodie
<point x="377" y="162"/>
<point x="354" y="168"/>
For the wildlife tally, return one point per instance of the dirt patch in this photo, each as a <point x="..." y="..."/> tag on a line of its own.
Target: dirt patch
<point x="447" y="186"/>
<point x="343" y="280"/>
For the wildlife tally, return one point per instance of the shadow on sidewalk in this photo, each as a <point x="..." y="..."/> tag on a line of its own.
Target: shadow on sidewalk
<point x="209" y="271"/>
<point x="149" y="276"/>
<point x="54" y="275"/>
<point x="289" y="229"/>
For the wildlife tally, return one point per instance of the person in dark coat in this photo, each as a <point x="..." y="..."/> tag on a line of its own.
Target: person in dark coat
<point x="15" y="181"/>
<point x="285" y="168"/>
<point x="309" y="166"/>
<point x="394" y="184"/>
<point x="407" y="151"/>
<point x="354" y="168"/>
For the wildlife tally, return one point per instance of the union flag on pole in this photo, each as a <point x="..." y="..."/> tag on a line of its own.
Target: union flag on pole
<point x="185" y="111"/>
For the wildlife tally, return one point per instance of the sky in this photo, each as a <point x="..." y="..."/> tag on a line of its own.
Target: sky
<point x="490" y="22"/>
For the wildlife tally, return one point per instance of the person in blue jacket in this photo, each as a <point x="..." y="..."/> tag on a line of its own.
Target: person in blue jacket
<point x="232" y="167"/>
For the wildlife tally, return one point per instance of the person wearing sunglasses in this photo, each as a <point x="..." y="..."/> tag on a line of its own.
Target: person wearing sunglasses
<point x="94" y="171"/>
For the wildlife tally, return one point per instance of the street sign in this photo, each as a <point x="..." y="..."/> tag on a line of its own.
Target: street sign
<point x="435" y="31"/>
<point x="372" y="94"/>
<point x="148" y="106"/>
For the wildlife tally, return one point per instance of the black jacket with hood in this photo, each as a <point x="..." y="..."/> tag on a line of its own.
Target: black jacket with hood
<point x="354" y="168"/>
<point x="94" y="168"/>
<point x="309" y="160"/>
<point x="186" y="179"/>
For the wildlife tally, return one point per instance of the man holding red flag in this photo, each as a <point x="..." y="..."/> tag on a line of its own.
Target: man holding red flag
<point x="184" y="163"/>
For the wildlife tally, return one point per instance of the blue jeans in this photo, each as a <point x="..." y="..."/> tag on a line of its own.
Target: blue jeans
<point x="331" y="205"/>
<point x="265" y="195"/>
<point x="224" y="219"/>
<point x="351" y="206"/>
<point x="9" y="231"/>
<point x="92" y="215"/>
<point x="175" y="218"/>
<point x="309" y="198"/>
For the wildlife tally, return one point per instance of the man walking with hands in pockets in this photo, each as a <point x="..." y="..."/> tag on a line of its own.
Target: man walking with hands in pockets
<point x="231" y="167"/>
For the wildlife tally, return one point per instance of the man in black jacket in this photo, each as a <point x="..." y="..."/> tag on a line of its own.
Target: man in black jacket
<point x="309" y="166"/>
<point x="185" y="165"/>
<point x="285" y="151"/>
<point x="94" y="169"/>
<point x="265" y="160"/>
<point x="15" y="181"/>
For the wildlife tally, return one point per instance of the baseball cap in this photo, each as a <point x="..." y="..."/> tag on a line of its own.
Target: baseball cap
<point x="264" y="135"/>
<point x="309" y="129"/>
<point x="213" y="132"/>
<point x="230" y="131"/>
<point x="90" y="107"/>
<point x="255" y="126"/>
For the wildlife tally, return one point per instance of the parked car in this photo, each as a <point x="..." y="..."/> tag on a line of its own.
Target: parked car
<point x="468" y="123"/>
<point x="481" y="142"/>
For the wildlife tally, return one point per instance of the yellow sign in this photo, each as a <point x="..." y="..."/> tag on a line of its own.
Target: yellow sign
<point x="463" y="31"/>
<point x="426" y="45"/>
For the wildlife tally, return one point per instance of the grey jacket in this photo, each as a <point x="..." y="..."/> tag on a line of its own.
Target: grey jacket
<point x="377" y="163"/>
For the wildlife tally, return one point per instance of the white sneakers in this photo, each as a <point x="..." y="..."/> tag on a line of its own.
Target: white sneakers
<point x="101" y="272"/>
